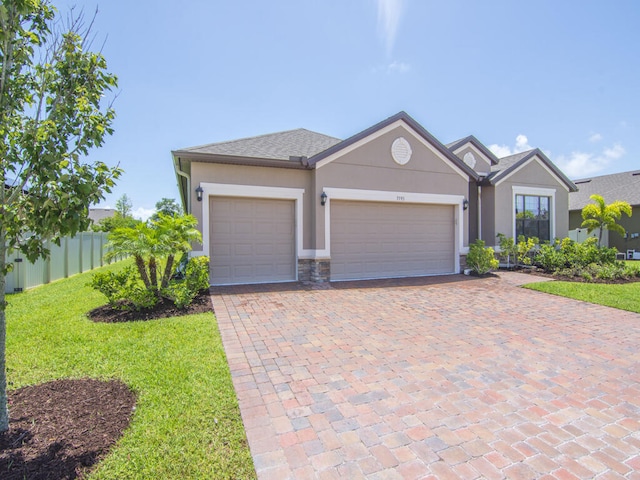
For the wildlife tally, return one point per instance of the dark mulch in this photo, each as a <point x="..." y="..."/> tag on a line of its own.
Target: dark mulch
<point x="164" y="309"/>
<point x="60" y="429"/>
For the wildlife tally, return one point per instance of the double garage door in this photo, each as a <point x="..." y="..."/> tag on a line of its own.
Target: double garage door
<point x="386" y="240"/>
<point x="252" y="240"/>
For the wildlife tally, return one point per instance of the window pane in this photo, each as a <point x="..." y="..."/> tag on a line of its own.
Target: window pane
<point x="533" y="216"/>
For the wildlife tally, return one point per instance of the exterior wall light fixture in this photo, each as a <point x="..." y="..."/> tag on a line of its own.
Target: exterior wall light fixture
<point x="199" y="193"/>
<point x="323" y="199"/>
<point x="465" y="204"/>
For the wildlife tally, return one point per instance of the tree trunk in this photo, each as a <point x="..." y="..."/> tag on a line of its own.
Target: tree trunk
<point x="142" y="270"/>
<point x="600" y="236"/>
<point x="153" y="273"/>
<point x="167" y="272"/>
<point x="4" y="408"/>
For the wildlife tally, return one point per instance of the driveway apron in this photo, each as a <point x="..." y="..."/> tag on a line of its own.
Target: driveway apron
<point x="449" y="377"/>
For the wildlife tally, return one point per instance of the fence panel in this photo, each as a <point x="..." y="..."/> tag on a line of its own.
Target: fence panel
<point x="74" y="255"/>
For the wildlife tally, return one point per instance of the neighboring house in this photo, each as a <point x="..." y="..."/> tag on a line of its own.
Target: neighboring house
<point x="618" y="186"/>
<point x="97" y="214"/>
<point x="390" y="201"/>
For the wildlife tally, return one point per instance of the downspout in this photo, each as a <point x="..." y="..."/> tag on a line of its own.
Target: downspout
<point x="479" y="212"/>
<point x="188" y="178"/>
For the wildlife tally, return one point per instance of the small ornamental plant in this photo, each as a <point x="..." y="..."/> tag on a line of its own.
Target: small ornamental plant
<point x="156" y="247"/>
<point x="480" y="259"/>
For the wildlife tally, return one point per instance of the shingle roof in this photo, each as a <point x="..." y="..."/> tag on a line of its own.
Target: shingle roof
<point x="618" y="186"/>
<point x="275" y="146"/>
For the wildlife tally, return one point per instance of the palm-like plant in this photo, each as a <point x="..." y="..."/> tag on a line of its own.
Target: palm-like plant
<point x="148" y="243"/>
<point x="600" y="215"/>
<point x="175" y="235"/>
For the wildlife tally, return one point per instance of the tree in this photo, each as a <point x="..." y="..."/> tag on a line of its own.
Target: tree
<point x="149" y="243"/>
<point x="600" y="215"/>
<point x="124" y="206"/>
<point x="109" y="224"/>
<point x="51" y="115"/>
<point x="167" y="206"/>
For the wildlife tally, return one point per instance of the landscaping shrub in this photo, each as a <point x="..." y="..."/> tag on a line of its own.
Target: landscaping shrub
<point x="481" y="259"/>
<point x="124" y="290"/>
<point x="196" y="279"/>
<point x="155" y="246"/>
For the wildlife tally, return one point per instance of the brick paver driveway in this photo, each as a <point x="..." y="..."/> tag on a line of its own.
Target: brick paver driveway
<point x="441" y="378"/>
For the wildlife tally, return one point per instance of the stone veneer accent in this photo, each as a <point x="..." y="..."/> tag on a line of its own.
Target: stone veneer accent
<point x="313" y="270"/>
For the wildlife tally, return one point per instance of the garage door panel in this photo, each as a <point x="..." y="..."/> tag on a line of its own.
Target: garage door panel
<point x="377" y="240"/>
<point x="252" y="240"/>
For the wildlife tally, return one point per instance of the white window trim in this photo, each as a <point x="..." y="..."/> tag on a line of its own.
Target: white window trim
<point x="396" y="197"/>
<point x="251" y="191"/>
<point x="540" y="192"/>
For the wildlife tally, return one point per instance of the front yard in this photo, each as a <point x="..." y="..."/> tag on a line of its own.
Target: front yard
<point x="623" y="296"/>
<point x="186" y="424"/>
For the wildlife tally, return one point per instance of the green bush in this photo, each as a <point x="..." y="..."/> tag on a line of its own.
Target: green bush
<point x="124" y="289"/>
<point x="196" y="279"/>
<point x="481" y="259"/>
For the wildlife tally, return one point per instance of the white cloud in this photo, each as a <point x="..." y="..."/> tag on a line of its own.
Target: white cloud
<point x="521" y="145"/>
<point x="389" y="14"/>
<point x="583" y="164"/>
<point x="595" y="137"/>
<point x="143" y="213"/>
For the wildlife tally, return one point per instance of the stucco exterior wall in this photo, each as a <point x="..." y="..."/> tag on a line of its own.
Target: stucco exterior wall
<point x="482" y="165"/>
<point x="256" y="176"/>
<point x="371" y="167"/>
<point x="531" y="175"/>
<point x="488" y="215"/>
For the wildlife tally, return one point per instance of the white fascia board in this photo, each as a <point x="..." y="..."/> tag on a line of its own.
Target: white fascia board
<point x="383" y="131"/>
<point x="395" y="197"/>
<point x="540" y="192"/>
<point x="251" y="191"/>
<point x="543" y="165"/>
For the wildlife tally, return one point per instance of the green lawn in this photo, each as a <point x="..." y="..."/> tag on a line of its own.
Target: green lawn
<point x="624" y="296"/>
<point x="187" y="423"/>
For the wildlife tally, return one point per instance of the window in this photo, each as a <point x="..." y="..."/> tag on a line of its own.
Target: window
<point x="532" y="216"/>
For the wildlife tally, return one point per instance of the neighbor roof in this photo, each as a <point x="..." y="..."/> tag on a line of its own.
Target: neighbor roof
<point x="506" y="165"/>
<point x="618" y="186"/>
<point x="274" y="146"/>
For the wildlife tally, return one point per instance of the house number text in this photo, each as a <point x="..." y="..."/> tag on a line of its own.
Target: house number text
<point x="400" y="199"/>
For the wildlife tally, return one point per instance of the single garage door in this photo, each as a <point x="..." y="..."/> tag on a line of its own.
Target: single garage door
<point x="252" y="240"/>
<point x="386" y="240"/>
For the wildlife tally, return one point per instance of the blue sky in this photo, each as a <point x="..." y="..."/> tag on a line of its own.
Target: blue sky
<point x="559" y="75"/>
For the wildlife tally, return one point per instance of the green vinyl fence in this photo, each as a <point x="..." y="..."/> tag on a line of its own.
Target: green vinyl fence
<point x="76" y="254"/>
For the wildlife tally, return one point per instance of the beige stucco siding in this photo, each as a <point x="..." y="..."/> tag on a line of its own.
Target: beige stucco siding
<point x="482" y="164"/>
<point x="488" y="215"/>
<point x="256" y="176"/>
<point x="371" y="167"/>
<point x="531" y="175"/>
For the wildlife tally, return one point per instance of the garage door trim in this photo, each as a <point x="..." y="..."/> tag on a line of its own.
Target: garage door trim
<point x="251" y="191"/>
<point x="395" y="197"/>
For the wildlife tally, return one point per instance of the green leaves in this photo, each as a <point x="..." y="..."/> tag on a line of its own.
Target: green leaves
<point x="600" y="215"/>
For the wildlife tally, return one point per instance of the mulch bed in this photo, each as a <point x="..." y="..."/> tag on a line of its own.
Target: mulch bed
<point x="164" y="309"/>
<point x="60" y="429"/>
